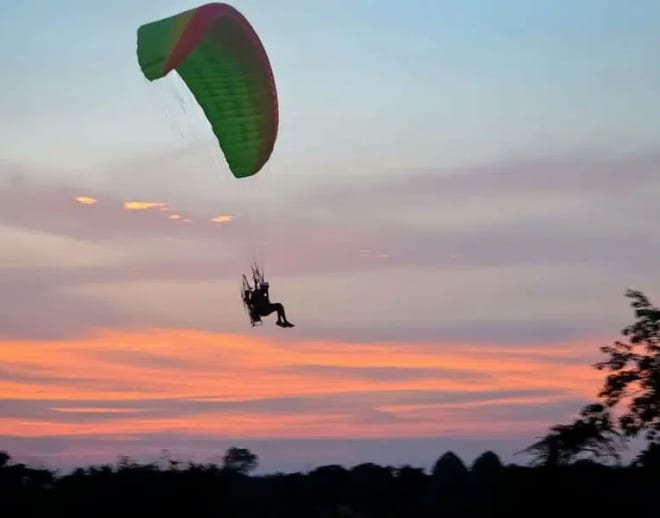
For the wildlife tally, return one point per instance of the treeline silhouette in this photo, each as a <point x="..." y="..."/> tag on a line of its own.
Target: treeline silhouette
<point x="486" y="488"/>
<point x="576" y="469"/>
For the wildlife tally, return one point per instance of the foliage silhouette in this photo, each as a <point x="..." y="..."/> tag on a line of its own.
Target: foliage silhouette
<point x="633" y="380"/>
<point x="487" y="464"/>
<point x="449" y="467"/>
<point x="634" y="368"/>
<point x="592" y="434"/>
<point x="487" y="489"/>
<point x="240" y="460"/>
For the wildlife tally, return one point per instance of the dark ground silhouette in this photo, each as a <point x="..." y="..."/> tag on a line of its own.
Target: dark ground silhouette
<point x="576" y="469"/>
<point x="487" y="488"/>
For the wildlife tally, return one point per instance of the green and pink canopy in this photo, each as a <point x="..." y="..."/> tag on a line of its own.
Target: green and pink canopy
<point x="221" y="59"/>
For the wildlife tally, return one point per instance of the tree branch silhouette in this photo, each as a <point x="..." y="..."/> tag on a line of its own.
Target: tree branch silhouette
<point x="634" y="380"/>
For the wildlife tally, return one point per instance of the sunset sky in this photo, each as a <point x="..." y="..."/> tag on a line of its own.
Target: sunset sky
<point x="460" y="194"/>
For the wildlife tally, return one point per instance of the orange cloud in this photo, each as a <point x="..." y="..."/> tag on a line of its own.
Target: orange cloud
<point x="86" y="200"/>
<point x="143" y="205"/>
<point x="222" y="219"/>
<point x="93" y="410"/>
<point x="252" y="386"/>
<point x="174" y="216"/>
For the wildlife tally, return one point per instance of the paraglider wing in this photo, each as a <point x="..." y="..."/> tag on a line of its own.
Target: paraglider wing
<point x="222" y="61"/>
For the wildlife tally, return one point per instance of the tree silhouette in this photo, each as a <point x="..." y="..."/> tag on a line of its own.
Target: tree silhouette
<point x="240" y="460"/>
<point x="487" y="464"/>
<point x="634" y="377"/>
<point x="649" y="458"/>
<point x="449" y="486"/>
<point x="593" y="434"/>
<point x="634" y="368"/>
<point x="366" y="490"/>
<point x="449" y="466"/>
<point x="4" y="459"/>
